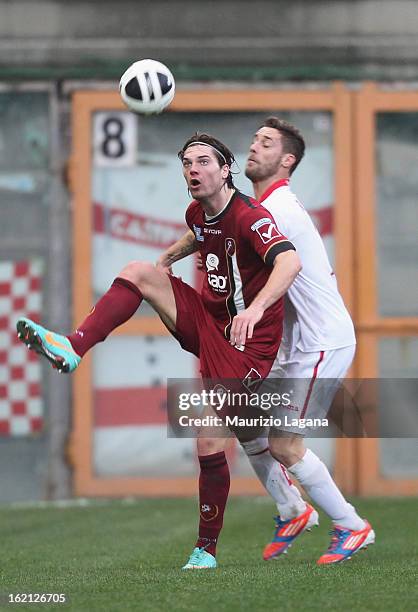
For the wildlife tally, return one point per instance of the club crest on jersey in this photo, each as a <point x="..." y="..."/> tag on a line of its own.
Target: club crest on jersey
<point x="252" y="380"/>
<point x="230" y="246"/>
<point x="266" y="229"/>
<point x="212" y="262"/>
<point x="198" y="233"/>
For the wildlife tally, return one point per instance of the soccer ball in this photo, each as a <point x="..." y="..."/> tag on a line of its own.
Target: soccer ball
<point x="147" y="87"/>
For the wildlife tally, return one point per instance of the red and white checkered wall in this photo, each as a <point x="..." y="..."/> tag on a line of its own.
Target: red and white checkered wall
<point x="21" y="403"/>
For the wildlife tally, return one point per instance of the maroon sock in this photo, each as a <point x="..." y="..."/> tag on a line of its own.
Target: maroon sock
<point x="115" y="307"/>
<point x="213" y="495"/>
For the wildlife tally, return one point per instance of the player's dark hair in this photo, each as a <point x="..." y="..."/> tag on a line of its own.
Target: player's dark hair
<point x="292" y="139"/>
<point x="223" y="154"/>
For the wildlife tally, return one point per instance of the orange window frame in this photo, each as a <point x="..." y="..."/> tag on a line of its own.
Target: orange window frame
<point x="336" y="99"/>
<point x="369" y="101"/>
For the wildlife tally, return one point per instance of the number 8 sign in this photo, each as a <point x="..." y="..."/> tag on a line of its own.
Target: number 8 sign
<point x="114" y="139"/>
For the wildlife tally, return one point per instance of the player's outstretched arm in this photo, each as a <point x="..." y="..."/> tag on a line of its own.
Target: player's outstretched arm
<point x="180" y="249"/>
<point x="286" y="267"/>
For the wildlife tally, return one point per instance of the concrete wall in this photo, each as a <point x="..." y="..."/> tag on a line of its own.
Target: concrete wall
<point x="346" y="38"/>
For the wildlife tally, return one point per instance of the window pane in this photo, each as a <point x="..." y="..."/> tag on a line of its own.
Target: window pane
<point x="397" y="213"/>
<point x="25" y="181"/>
<point x="398" y="358"/>
<point x="24" y="131"/>
<point x="129" y="393"/>
<point x="24" y="169"/>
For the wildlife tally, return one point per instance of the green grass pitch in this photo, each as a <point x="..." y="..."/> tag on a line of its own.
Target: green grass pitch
<point x="126" y="555"/>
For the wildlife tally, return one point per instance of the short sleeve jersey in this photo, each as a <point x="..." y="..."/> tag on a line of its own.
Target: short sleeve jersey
<point x="319" y="320"/>
<point x="238" y="248"/>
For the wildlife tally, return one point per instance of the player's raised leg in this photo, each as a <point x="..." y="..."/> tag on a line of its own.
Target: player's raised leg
<point x="54" y="347"/>
<point x="137" y="281"/>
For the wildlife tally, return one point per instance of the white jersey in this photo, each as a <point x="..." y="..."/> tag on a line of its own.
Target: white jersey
<point x="316" y="318"/>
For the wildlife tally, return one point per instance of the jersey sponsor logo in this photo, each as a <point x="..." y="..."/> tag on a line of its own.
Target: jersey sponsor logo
<point x="260" y="222"/>
<point x="252" y="380"/>
<point x="268" y="232"/>
<point x="266" y="229"/>
<point x="210" y="230"/>
<point x="217" y="282"/>
<point x="212" y="262"/>
<point x="198" y="233"/>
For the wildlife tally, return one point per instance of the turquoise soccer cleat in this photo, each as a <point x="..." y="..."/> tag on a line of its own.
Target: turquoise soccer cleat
<point x="56" y="348"/>
<point x="200" y="559"/>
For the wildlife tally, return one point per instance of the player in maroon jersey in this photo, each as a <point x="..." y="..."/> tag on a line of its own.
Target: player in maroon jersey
<point x="328" y="338"/>
<point x="234" y="326"/>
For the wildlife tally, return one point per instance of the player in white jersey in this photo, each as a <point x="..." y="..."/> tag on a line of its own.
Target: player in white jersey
<point x="320" y="318"/>
<point x="319" y="339"/>
<point x="318" y="343"/>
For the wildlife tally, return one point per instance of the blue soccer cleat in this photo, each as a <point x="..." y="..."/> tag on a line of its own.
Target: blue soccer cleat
<point x="200" y="559"/>
<point x="345" y="543"/>
<point x="286" y="532"/>
<point x="56" y="348"/>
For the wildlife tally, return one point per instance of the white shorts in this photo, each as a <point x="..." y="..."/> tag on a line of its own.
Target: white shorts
<point x="310" y="382"/>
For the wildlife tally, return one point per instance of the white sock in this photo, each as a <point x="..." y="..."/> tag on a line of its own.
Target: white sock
<point x="274" y="478"/>
<point x="315" y="478"/>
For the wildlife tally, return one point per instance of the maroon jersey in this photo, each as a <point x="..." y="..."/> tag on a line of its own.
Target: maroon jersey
<point x="238" y="248"/>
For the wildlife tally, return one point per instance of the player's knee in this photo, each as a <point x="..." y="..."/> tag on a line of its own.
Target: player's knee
<point x="287" y="450"/>
<point x="138" y="273"/>
<point x="255" y="446"/>
<point x="210" y="446"/>
<point x="279" y="451"/>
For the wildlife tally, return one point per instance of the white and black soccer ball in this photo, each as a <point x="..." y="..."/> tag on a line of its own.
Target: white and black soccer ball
<point x="147" y="87"/>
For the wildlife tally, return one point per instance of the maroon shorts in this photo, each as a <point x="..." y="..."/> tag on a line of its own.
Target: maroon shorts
<point x="198" y="333"/>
